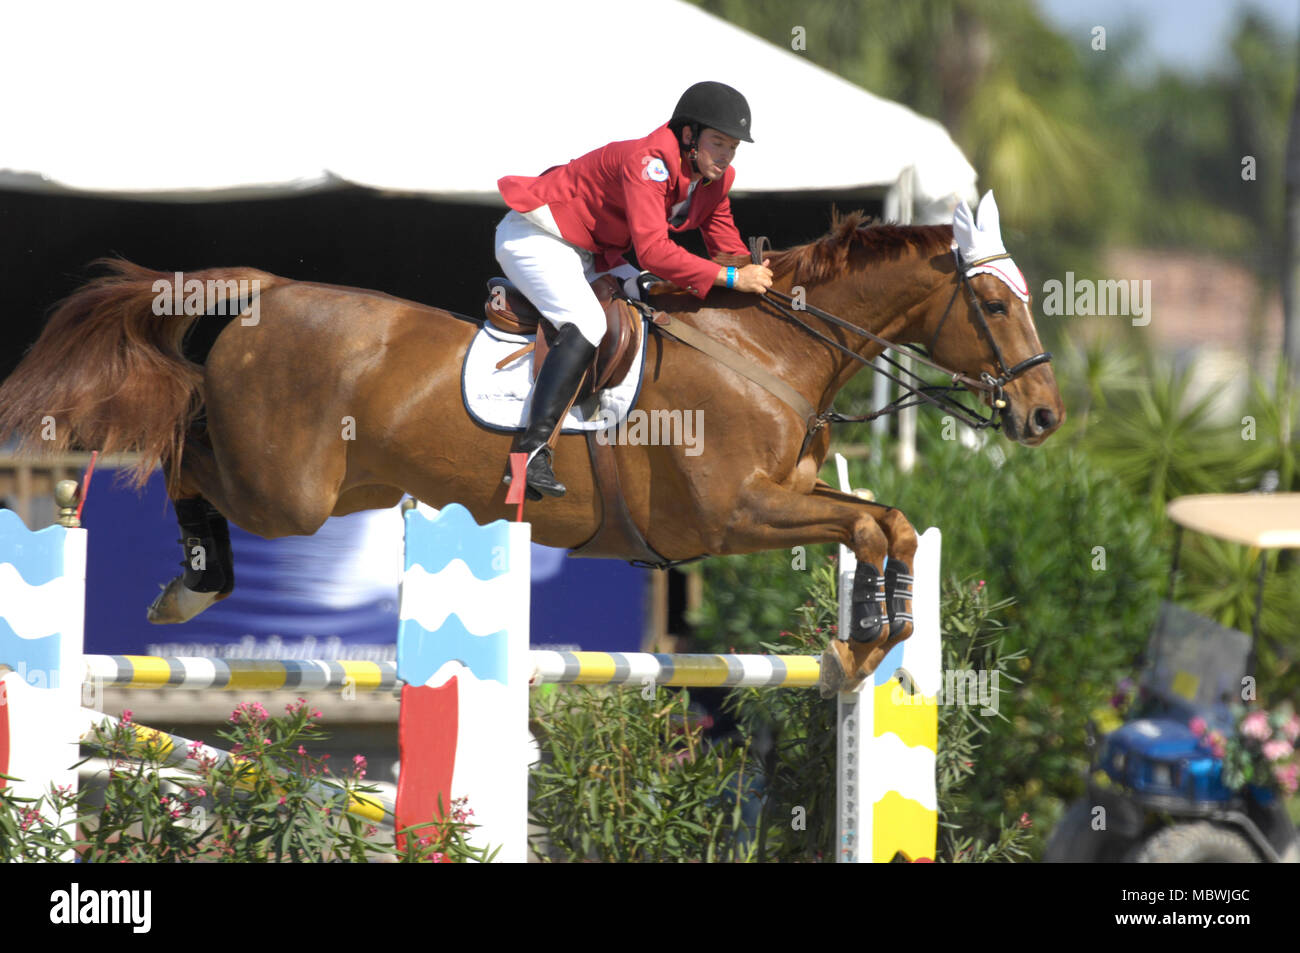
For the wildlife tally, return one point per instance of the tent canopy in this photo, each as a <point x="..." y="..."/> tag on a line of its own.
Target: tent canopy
<point x="227" y="100"/>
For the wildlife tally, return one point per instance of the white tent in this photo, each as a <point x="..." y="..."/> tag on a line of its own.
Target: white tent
<point x="187" y="100"/>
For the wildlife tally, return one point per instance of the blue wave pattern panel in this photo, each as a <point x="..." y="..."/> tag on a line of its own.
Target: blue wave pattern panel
<point x="420" y="653"/>
<point x="432" y="545"/>
<point x="28" y="560"/>
<point x="453" y="534"/>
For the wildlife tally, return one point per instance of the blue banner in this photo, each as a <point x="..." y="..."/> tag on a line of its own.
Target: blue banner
<point x="331" y="595"/>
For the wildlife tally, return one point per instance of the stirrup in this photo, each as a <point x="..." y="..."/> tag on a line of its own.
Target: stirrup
<point x="545" y="481"/>
<point x="529" y="493"/>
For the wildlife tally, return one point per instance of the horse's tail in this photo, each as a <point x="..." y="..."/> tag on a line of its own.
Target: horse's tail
<point x="108" y="372"/>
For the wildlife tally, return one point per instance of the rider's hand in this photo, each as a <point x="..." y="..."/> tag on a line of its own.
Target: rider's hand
<point x="754" y="278"/>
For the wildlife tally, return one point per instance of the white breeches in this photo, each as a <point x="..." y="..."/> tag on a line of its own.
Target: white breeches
<point x="553" y="274"/>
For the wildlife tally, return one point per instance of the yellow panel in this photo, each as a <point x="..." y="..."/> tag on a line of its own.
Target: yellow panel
<point x="1185" y="685"/>
<point x="366" y="676"/>
<point x="699" y="673"/>
<point x="257" y="676"/>
<point x="916" y="724"/>
<point x="899" y="823"/>
<point x="594" y="668"/>
<point x="148" y="671"/>
<point x="802" y="671"/>
<point x="161" y="740"/>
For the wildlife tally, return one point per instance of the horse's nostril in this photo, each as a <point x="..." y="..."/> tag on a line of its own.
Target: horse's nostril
<point x="1044" y="419"/>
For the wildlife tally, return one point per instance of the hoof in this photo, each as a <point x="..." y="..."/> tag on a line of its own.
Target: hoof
<point x="837" y="663"/>
<point x="178" y="604"/>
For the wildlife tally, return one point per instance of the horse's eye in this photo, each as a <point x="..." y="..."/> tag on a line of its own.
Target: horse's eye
<point x="996" y="307"/>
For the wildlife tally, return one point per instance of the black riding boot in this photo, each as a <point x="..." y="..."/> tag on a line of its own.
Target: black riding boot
<point x="556" y="385"/>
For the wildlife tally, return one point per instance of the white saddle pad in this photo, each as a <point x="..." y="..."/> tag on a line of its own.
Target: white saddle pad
<point x="499" y="398"/>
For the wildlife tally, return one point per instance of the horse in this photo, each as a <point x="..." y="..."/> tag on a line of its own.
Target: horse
<point x="339" y="399"/>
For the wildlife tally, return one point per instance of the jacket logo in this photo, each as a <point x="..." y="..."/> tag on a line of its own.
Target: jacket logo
<point x="654" y="169"/>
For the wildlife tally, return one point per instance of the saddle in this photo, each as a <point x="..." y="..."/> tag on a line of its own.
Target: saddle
<point x="509" y="310"/>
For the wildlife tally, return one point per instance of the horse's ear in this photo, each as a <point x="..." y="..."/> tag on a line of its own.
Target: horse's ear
<point x="982" y="240"/>
<point x="987" y="216"/>
<point x="963" y="228"/>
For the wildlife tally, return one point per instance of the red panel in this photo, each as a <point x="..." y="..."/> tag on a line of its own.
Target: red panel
<point x="427" y="732"/>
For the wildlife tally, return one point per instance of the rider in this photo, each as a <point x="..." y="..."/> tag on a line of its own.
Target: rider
<point x="574" y="222"/>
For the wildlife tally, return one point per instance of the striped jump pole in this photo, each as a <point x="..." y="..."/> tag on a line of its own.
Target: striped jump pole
<point x="562" y="668"/>
<point x="238" y="675"/>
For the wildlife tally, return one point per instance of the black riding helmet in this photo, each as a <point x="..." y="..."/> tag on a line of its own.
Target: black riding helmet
<point x="716" y="106"/>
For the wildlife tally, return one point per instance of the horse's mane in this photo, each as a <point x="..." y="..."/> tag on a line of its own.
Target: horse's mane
<point x="828" y="256"/>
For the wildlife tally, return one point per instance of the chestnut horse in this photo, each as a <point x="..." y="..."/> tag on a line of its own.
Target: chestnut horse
<point x="340" y="399"/>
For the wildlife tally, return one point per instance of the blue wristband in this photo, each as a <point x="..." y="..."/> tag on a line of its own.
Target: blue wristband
<point x="731" y="276"/>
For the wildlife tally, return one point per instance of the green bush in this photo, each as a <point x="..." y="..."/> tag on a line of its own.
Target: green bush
<point x="626" y="776"/>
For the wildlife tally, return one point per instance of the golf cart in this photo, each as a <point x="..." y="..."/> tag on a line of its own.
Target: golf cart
<point x="1156" y="792"/>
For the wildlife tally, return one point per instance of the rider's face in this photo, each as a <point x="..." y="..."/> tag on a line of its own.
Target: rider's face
<point x="714" y="153"/>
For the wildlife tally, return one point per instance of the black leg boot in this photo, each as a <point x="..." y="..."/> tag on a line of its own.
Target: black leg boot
<point x="553" y="393"/>
<point x="208" y="562"/>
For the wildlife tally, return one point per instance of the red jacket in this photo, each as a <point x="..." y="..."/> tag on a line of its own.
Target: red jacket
<point x="621" y="196"/>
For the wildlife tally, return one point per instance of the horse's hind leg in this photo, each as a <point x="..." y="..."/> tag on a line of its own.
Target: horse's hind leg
<point x="209" y="565"/>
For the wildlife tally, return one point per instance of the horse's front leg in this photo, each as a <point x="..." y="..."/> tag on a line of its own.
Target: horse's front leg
<point x="772" y="517"/>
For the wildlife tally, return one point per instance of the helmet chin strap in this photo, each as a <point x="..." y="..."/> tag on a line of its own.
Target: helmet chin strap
<point x="692" y="157"/>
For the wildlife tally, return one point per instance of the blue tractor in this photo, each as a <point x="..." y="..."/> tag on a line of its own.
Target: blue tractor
<point x="1156" y="793"/>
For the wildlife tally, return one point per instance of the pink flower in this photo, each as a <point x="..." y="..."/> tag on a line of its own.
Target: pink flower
<point x="1255" y="725"/>
<point x="1198" y="726"/>
<point x="1025" y="821"/>
<point x="1292" y="729"/>
<point x="1277" y="750"/>
<point x="1288" y="776"/>
<point x="254" y="712"/>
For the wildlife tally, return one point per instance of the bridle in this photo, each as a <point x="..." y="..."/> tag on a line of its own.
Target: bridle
<point x="921" y="392"/>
